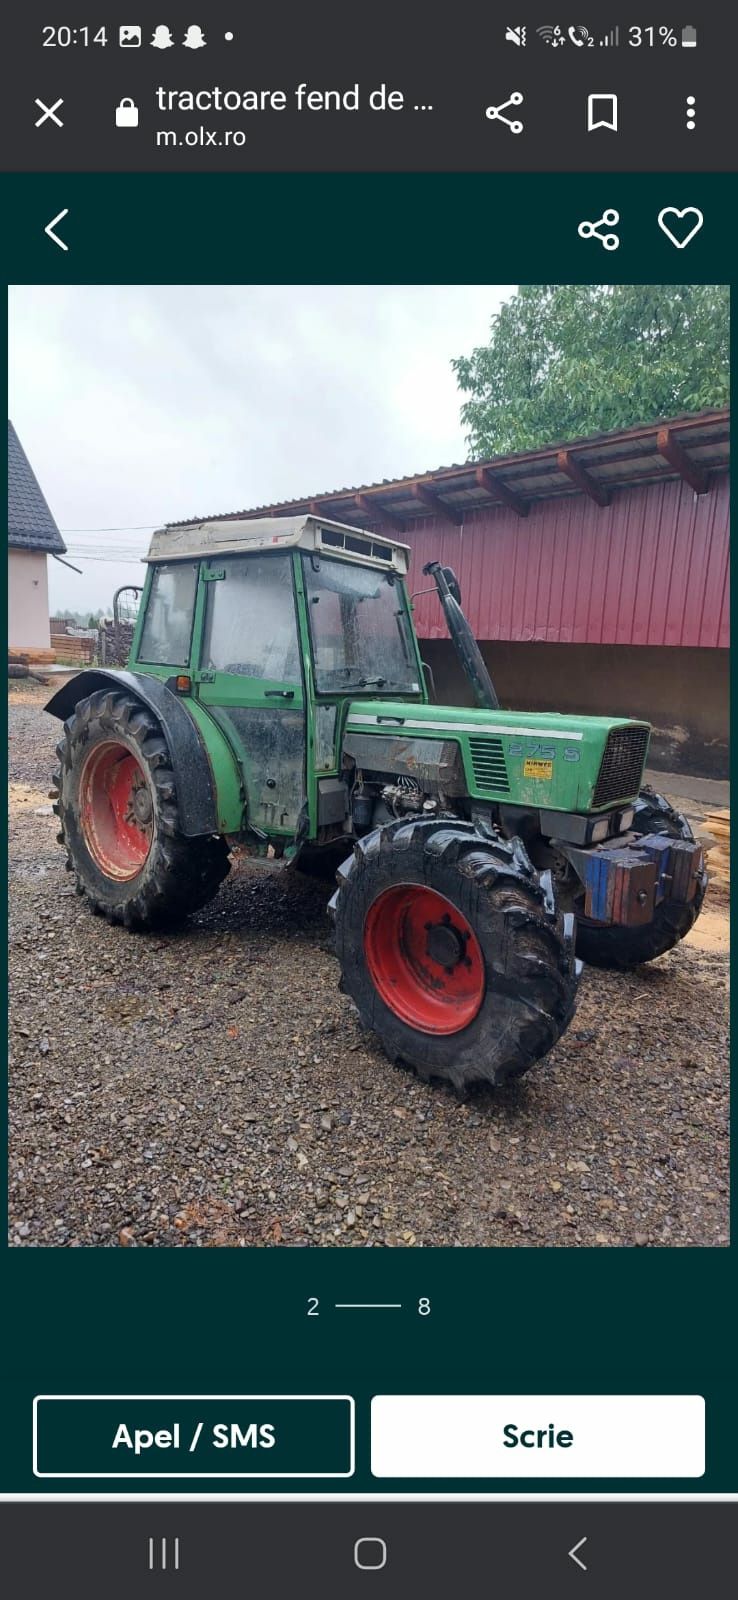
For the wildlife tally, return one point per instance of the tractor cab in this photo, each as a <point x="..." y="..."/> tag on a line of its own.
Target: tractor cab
<point x="272" y="627"/>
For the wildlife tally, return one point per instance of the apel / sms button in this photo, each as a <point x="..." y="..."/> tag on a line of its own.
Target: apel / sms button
<point x="193" y="1436"/>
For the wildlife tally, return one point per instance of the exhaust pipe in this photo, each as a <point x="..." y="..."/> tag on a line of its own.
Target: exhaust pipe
<point x="465" y="644"/>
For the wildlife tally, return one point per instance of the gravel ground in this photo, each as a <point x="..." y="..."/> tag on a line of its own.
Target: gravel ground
<point x="212" y="1087"/>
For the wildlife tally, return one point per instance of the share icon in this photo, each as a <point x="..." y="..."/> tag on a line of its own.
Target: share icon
<point x="495" y="113"/>
<point x="594" y="230"/>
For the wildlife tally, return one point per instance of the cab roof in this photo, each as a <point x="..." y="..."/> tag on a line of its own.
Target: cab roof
<point x="194" y="540"/>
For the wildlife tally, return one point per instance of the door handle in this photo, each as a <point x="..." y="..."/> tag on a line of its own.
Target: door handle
<point x="279" y="694"/>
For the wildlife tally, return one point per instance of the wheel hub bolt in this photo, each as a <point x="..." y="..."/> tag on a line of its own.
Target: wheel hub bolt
<point x="142" y="807"/>
<point x="446" y="944"/>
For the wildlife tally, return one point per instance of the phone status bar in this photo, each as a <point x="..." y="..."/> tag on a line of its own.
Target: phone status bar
<point x="637" y="36"/>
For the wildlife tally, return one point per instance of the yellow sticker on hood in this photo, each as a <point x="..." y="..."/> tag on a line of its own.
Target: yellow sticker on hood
<point x="538" y="769"/>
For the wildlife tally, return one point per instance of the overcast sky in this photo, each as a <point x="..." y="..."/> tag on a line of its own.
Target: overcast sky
<point x="141" y="405"/>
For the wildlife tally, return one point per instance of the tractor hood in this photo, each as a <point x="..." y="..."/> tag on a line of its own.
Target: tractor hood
<point x="548" y="760"/>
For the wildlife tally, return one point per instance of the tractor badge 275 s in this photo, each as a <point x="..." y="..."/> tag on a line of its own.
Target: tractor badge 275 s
<point x="276" y="697"/>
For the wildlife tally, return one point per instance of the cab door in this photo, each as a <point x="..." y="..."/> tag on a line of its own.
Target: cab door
<point x="250" y="678"/>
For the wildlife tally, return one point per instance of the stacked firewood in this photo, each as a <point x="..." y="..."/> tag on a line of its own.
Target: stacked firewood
<point x="717" y="825"/>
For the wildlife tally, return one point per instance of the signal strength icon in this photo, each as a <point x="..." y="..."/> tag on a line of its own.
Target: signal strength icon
<point x="611" y="38"/>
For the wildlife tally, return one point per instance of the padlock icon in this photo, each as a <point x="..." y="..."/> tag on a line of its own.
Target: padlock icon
<point x="126" y="114"/>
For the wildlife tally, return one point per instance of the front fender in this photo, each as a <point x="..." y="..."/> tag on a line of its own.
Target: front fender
<point x="196" y="798"/>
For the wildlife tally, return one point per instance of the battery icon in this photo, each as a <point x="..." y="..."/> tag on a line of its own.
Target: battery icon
<point x="689" y="38"/>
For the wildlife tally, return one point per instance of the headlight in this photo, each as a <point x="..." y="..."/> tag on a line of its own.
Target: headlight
<point x="600" y="830"/>
<point x="626" y="820"/>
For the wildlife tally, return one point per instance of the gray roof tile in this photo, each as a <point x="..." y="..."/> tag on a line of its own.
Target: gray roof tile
<point x="30" y="523"/>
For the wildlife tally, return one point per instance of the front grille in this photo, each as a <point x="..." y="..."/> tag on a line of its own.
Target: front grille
<point x="488" y="765"/>
<point x="619" y="777"/>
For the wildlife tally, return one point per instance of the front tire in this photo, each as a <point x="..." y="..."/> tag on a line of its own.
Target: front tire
<point x="453" y="952"/>
<point x="117" y="807"/>
<point x="624" y="947"/>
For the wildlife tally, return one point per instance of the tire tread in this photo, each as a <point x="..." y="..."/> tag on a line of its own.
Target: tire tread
<point x="181" y="874"/>
<point x="528" y="949"/>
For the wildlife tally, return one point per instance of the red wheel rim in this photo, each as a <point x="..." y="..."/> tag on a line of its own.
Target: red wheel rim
<point x="116" y="810"/>
<point x="424" y="959"/>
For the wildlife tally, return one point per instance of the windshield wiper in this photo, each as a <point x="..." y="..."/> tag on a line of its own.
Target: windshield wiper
<point x="362" y="683"/>
<point x="403" y="685"/>
<point x="366" y="683"/>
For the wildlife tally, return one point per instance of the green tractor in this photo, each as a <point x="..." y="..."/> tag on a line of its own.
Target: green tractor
<point x="276" y="699"/>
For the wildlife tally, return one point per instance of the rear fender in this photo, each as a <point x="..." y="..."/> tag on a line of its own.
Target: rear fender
<point x="196" y="796"/>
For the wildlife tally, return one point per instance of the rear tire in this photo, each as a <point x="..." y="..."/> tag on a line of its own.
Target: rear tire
<point x="117" y="806"/>
<point x="630" y="947"/>
<point x="453" y="952"/>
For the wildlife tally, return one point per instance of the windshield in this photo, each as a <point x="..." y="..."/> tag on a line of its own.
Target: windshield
<point x="359" y="628"/>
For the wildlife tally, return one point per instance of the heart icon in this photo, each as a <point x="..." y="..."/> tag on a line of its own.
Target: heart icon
<point x="681" y="238"/>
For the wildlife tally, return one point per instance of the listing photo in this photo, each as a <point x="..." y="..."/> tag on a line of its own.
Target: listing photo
<point x="369" y="813"/>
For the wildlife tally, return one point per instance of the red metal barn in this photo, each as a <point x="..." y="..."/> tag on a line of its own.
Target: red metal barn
<point x="594" y="573"/>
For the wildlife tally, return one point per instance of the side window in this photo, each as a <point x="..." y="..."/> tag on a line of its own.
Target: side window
<point x="250" y="622"/>
<point x="167" y="629"/>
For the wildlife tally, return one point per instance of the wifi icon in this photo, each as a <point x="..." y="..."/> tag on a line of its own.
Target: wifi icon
<point x="551" y="35"/>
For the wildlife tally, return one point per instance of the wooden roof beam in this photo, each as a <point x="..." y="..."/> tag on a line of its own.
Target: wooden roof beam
<point x="435" y="504"/>
<point x="673" y="452"/>
<point x="370" y="507"/>
<point x="495" y="487"/>
<point x="577" y="474"/>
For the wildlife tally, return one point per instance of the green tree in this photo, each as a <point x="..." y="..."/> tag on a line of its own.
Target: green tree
<point x="571" y="360"/>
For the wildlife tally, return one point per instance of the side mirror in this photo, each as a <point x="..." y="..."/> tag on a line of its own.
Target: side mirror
<point x="453" y="583"/>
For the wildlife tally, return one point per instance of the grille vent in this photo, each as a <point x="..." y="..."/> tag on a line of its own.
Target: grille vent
<point x="622" y="765"/>
<point x="488" y="765"/>
<point x="330" y="538"/>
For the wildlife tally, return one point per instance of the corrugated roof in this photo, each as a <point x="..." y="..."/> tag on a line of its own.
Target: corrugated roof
<point x="651" y="568"/>
<point x="597" y="465"/>
<point x="30" y="523"/>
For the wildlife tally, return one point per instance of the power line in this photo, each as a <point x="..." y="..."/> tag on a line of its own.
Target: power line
<point x="124" y="561"/>
<point x="128" y="527"/>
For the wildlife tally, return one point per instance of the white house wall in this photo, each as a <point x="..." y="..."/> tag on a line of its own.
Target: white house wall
<point x="28" y="600"/>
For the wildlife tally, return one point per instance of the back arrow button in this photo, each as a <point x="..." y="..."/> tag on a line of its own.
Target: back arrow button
<point x="50" y="226"/>
<point x="573" y="1553"/>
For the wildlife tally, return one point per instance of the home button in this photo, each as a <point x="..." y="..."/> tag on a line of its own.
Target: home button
<point x="370" y="1555"/>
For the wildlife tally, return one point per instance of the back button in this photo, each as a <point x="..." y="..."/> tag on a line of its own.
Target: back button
<point x="50" y="226"/>
<point x="573" y="1556"/>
